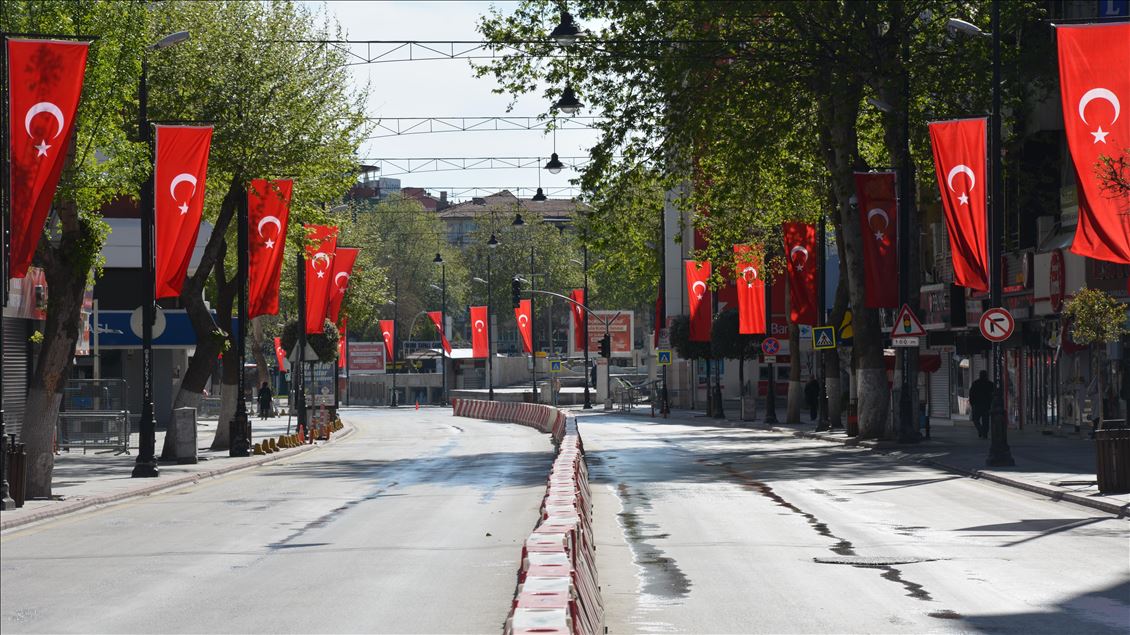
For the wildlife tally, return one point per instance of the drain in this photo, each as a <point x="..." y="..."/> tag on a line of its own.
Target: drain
<point x="871" y="561"/>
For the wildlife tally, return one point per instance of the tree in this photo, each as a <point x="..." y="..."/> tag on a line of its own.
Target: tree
<point x="1096" y="318"/>
<point x="727" y="343"/>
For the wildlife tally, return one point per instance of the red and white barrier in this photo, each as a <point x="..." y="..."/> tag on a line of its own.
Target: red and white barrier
<point x="558" y="589"/>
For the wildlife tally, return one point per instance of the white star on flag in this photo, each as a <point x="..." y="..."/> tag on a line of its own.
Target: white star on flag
<point x="42" y="147"/>
<point x="1100" y="135"/>
<point x="964" y="199"/>
<point x="878" y="235"/>
<point x="800" y="267"/>
<point x="270" y="244"/>
<point x="183" y="208"/>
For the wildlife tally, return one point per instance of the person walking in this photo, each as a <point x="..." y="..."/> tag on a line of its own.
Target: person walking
<point x="981" y="402"/>
<point x="812" y="397"/>
<point x="265" y="401"/>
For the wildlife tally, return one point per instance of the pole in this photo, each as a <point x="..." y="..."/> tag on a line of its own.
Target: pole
<point x="239" y="428"/>
<point x="771" y="386"/>
<point x="395" y="339"/>
<point x="443" y="326"/>
<point x="533" y="333"/>
<point x="490" y="339"/>
<point x="6" y="501"/>
<point x="907" y="426"/>
<point x="822" y="423"/>
<point x="299" y="368"/>
<point x="146" y="464"/>
<point x="588" y="400"/>
<point x="999" y="452"/>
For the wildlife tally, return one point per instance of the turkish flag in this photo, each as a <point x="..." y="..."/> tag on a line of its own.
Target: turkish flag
<point x="280" y="354"/>
<point x="750" y="288"/>
<point x="800" y="251"/>
<point x="480" y="334"/>
<point x="44" y="85"/>
<point x="319" y="274"/>
<point x="437" y="319"/>
<point x="698" y="294"/>
<point x="178" y="201"/>
<point x="268" y="209"/>
<point x="959" y="161"/>
<point x="524" y="315"/>
<point x="344" y="257"/>
<point x="342" y="343"/>
<point x="578" y="296"/>
<point x="388" y="332"/>
<point x="1092" y="89"/>
<point x="878" y="217"/>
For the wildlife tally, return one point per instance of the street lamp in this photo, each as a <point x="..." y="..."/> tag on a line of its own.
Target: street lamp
<point x="492" y="244"/>
<point x="539" y="195"/>
<point x="585" y="327"/>
<point x="518" y="222"/>
<point x="554" y="165"/>
<point x="146" y="464"/>
<point x="442" y="318"/>
<point x="999" y="453"/>
<point x="568" y="103"/>
<point x="395" y="336"/>
<point x="566" y="32"/>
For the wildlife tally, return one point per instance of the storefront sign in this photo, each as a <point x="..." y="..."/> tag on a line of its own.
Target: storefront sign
<point x="366" y="357"/>
<point x="1057" y="277"/>
<point x="1108" y="276"/>
<point x="620" y="330"/>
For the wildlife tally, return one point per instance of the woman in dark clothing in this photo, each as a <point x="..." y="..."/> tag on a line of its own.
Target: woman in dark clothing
<point x="264" y="401"/>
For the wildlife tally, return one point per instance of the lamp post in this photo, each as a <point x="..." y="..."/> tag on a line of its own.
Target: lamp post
<point x="395" y="336"/>
<point x="442" y="318"/>
<point x="298" y="369"/>
<point x="1000" y="454"/>
<point x="146" y="464"/>
<point x="518" y="222"/>
<point x="239" y="428"/>
<point x="491" y="245"/>
<point x="585" y="327"/>
<point x="771" y="385"/>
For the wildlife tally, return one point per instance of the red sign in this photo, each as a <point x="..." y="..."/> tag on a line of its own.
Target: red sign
<point x="620" y="330"/>
<point x="268" y="210"/>
<point x="366" y="357"/>
<point x="179" y="175"/>
<point x="959" y="162"/>
<point x="1057" y="280"/>
<point x="997" y="325"/>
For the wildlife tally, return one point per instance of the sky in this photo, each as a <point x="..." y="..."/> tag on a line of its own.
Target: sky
<point x="447" y="88"/>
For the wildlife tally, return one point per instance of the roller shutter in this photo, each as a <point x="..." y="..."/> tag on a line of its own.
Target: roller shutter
<point x="15" y="373"/>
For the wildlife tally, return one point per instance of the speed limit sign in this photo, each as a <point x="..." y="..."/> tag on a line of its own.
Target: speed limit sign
<point x="997" y="324"/>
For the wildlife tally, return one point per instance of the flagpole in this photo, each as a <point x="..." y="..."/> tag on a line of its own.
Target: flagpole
<point x="299" y="377"/>
<point x="146" y="464"/>
<point x="6" y="501"/>
<point x="907" y="426"/>
<point x="239" y="428"/>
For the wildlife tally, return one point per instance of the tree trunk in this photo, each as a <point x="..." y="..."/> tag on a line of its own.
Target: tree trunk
<point x="232" y="365"/>
<point x="832" y="370"/>
<point x="796" y="387"/>
<point x="65" y="267"/>
<point x="257" y="342"/>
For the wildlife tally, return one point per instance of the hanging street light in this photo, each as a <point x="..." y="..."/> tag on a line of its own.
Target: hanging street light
<point x="554" y="165"/>
<point x="539" y="195"/>
<point x="568" y="104"/>
<point x="566" y="32"/>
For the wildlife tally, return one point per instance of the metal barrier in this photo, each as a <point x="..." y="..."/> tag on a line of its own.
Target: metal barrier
<point x="94" y="415"/>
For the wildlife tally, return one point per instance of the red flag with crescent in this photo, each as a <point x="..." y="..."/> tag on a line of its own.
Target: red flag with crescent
<point x="280" y="354"/>
<point x="388" y="334"/>
<point x="343" y="343"/>
<point x="344" y="258"/>
<point x="523" y="315"/>
<point x="803" y="260"/>
<point x="44" y="84"/>
<point x="959" y="162"/>
<point x="268" y="209"/>
<point x="578" y="296"/>
<point x="748" y="262"/>
<point x="480" y="333"/>
<point x="178" y="201"/>
<point x="1092" y="89"/>
<point x="878" y="218"/>
<point x="437" y="319"/>
<point x="319" y="274"/>
<point x="699" y="299"/>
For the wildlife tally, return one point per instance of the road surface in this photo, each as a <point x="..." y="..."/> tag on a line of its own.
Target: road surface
<point x="703" y="529"/>
<point x="412" y="524"/>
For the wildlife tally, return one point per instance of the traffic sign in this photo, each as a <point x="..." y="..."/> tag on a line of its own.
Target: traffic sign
<point x="555" y="366"/>
<point x="664" y="357"/>
<point x="770" y="346"/>
<point x="907" y="324"/>
<point x="997" y="324"/>
<point x="823" y="337"/>
<point x="907" y="342"/>
<point x="846" y="330"/>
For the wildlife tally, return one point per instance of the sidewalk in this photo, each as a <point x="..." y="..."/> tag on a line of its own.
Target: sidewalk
<point x="98" y="477"/>
<point x="1060" y="467"/>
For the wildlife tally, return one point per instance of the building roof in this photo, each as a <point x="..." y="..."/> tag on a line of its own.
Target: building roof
<point x="505" y="202"/>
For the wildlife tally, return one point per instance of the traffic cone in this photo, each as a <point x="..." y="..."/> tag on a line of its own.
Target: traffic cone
<point x="257" y="450"/>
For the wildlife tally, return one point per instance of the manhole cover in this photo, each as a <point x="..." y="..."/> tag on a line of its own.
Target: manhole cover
<point x="871" y="561"/>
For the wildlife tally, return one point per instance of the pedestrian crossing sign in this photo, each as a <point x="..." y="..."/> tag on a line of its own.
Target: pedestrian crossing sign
<point x="823" y="337"/>
<point x="664" y="357"/>
<point x="555" y="366"/>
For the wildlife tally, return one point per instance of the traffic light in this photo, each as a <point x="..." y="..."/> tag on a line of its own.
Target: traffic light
<point x="516" y="292"/>
<point x="606" y="346"/>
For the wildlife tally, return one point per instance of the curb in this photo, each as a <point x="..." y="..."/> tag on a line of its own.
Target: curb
<point x="188" y="479"/>
<point x="1051" y="491"/>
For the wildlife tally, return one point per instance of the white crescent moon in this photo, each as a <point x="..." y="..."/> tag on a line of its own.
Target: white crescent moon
<point x="696" y="286"/>
<point x="180" y="178"/>
<point x="879" y="212"/>
<point x="386" y="335"/>
<point x="479" y="325"/>
<point x="340" y="274"/>
<point x="801" y="249"/>
<point x="1098" y="93"/>
<point x="750" y="268"/>
<point x="270" y="220"/>
<point x="53" y="110"/>
<point x="321" y="255"/>
<point x="522" y="319"/>
<point x="961" y="168"/>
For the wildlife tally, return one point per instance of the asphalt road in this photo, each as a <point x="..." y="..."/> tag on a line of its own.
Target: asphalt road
<point x="412" y="524"/>
<point x="701" y="529"/>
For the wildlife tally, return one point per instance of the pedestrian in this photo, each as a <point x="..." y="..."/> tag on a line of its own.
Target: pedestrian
<point x="812" y="397"/>
<point x="264" y="401"/>
<point x="981" y="402"/>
